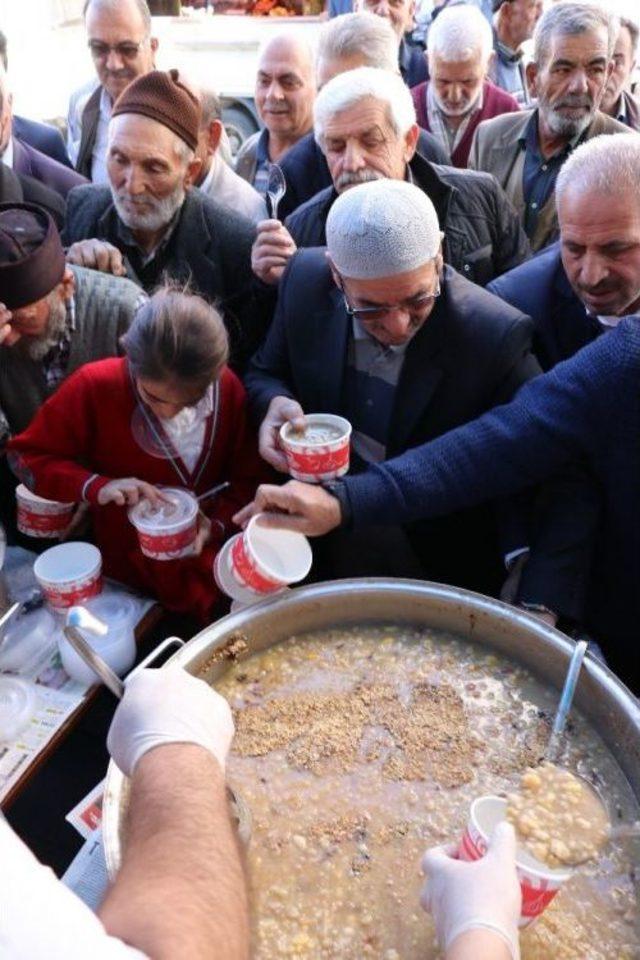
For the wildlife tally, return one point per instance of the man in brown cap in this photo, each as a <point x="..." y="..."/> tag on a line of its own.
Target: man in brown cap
<point x="150" y="224"/>
<point x="53" y="318"/>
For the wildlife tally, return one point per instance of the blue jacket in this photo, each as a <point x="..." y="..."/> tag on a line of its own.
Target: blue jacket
<point x="540" y="289"/>
<point x="585" y="408"/>
<point x="43" y="137"/>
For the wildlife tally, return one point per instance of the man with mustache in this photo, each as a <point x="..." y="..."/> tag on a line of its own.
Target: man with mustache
<point x="150" y="223"/>
<point x="284" y="94"/>
<point x="458" y="95"/>
<point x="583" y="285"/>
<point x="122" y="48"/>
<point x="573" y="46"/>
<point x="365" y="124"/>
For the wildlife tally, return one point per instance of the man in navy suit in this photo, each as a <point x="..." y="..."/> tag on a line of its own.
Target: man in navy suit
<point x="444" y="351"/>
<point x="42" y="136"/>
<point x="581" y="286"/>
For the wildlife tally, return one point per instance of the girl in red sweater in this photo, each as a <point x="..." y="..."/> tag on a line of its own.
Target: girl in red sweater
<point x="170" y="413"/>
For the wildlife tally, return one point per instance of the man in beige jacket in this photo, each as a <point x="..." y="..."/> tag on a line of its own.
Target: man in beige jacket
<point x="573" y="45"/>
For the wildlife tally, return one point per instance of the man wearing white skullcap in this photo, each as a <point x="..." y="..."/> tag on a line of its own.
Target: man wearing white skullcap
<point x="379" y="331"/>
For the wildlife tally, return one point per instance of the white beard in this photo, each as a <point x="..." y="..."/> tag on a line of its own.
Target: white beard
<point x="161" y="214"/>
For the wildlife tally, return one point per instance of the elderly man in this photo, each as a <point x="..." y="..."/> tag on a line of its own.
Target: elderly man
<point x="24" y="159"/>
<point x="513" y="23"/>
<point x="216" y="179"/>
<point x="365" y="125"/>
<point x="380" y="332"/>
<point x="618" y="101"/>
<point x="149" y="223"/>
<point x="284" y="95"/>
<point x="583" y="285"/>
<point x="400" y="14"/>
<point x="43" y="136"/>
<point x="122" y="48"/>
<point x="458" y="96"/>
<point x="53" y="319"/>
<point x="350" y="41"/>
<point x="573" y="45"/>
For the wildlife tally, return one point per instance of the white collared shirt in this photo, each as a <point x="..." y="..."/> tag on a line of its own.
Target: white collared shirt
<point x="224" y="185"/>
<point x="7" y="156"/>
<point x="186" y="430"/>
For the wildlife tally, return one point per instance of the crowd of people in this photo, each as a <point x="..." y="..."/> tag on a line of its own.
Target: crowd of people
<point x="454" y="267"/>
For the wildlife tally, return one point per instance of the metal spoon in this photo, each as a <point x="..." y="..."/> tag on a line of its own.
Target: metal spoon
<point x="276" y="188"/>
<point x="566" y="699"/>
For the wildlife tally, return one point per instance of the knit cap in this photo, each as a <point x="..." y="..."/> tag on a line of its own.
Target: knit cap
<point x="161" y="96"/>
<point x="381" y="229"/>
<point x="32" y="260"/>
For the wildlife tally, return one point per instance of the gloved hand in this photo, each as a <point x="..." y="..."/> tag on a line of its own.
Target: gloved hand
<point x="168" y="706"/>
<point x="484" y="893"/>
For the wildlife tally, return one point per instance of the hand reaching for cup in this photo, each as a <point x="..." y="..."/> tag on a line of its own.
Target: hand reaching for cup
<point x="281" y="410"/>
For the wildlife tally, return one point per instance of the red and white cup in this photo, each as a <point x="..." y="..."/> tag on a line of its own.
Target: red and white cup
<point x="37" y="517"/>
<point x="316" y="462"/>
<point x="167" y="532"/>
<point x="261" y="561"/>
<point x="69" y="574"/>
<point x="538" y="882"/>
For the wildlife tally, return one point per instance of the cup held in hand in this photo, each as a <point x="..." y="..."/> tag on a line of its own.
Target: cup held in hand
<point x="320" y="452"/>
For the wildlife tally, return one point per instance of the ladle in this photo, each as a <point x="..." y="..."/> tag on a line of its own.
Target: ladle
<point x="566" y="700"/>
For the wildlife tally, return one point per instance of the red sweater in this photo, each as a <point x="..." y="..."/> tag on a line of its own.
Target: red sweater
<point x="84" y="429"/>
<point x="494" y="103"/>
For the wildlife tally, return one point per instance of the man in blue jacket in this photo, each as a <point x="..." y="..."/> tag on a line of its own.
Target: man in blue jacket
<point x="587" y="407"/>
<point x="581" y="286"/>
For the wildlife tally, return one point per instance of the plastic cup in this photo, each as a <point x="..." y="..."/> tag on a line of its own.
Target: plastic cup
<point x="167" y="532"/>
<point x="538" y="882"/>
<point x="69" y="574"/>
<point x="317" y="460"/>
<point x="261" y="561"/>
<point x="37" y="517"/>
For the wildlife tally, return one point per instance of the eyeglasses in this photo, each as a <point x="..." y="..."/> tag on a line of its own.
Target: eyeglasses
<point x="376" y="314"/>
<point x="127" y="50"/>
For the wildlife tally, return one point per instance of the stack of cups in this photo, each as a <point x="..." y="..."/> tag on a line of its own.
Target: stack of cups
<point x="69" y="574"/>
<point x="538" y="882"/>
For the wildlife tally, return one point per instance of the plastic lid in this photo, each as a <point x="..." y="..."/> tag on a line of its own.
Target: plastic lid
<point x="17" y="706"/>
<point x="183" y="508"/>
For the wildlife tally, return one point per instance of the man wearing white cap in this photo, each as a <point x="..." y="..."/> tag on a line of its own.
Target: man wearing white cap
<point x="379" y="331"/>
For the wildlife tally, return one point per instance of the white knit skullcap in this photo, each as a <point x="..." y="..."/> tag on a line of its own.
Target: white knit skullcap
<point x="382" y="228"/>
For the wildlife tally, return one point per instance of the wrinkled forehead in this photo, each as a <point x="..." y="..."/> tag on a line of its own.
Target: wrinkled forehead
<point x="282" y="59"/>
<point x="579" y="49"/>
<point x="116" y="24"/>
<point x="142" y="138"/>
<point x="359" y="118"/>
<point x="592" y="217"/>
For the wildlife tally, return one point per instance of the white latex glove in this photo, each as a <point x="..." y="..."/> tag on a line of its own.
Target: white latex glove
<point x="168" y="706"/>
<point x="484" y="893"/>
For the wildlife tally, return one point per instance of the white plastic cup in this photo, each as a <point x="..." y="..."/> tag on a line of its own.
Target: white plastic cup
<point x="261" y="561"/>
<point x="37" y="517"/>
<point x="69" y="574"/>
<point x="117" y="647"/>
<point x="167" y="534"/>
<point x="539" y="883"/>
<point x="316" y="462"/>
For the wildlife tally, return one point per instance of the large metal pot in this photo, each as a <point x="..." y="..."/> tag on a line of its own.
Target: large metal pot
<point x="610" y="708"/>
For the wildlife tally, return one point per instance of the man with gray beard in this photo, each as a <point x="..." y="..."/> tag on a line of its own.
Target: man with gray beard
<point x="53" y="319"/>
<point x="573" y="47"/>
<point x="150" y="224"/>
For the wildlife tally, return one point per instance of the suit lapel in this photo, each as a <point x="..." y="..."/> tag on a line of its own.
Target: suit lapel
<point x="21" y="159"/>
